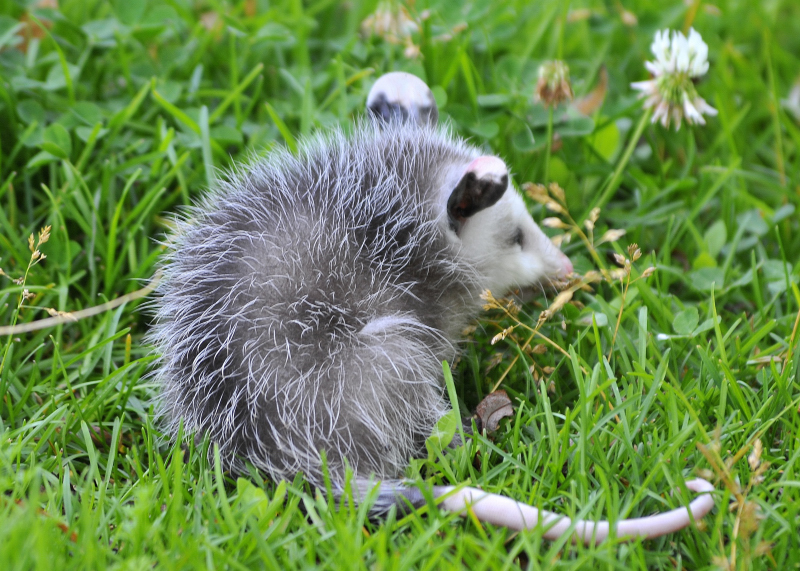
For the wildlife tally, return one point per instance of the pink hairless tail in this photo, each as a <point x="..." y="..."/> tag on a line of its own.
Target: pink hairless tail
<point x="500" y="510"/>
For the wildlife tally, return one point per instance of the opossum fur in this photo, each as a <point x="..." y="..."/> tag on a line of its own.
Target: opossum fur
<point x="308" y="301"/>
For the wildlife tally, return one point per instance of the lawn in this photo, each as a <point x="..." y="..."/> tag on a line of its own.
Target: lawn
<point x="115" y="115"/>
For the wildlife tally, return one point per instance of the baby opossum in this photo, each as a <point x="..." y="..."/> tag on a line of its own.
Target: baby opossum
<point x="307" y="303"/>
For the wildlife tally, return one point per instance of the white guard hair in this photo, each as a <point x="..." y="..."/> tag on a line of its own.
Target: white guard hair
<point x="307" y="302"/>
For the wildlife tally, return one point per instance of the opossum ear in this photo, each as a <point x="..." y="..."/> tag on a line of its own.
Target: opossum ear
<point x="400" y="96"/>
<point x="482" y="185"/>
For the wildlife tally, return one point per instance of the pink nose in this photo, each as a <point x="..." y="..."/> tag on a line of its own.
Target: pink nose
<point x="566" y="265"/>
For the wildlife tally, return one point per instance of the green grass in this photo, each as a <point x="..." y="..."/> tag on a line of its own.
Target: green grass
<point x="119" y="114"/>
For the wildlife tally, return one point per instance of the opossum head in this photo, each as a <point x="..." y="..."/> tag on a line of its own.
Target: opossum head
<point x="400" y="96"/>
<point x="483" y="215"/>
<point x="488" y="217"/>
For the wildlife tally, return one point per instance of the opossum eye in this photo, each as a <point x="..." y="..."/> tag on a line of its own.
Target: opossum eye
<point x="517" y="237"/>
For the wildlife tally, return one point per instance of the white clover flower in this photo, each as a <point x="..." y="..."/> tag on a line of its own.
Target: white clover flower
<point x="680" y="62"/>
<point x="553" y="86"/>
<point x="792" y="102"/>
<point x="391" y="22"/>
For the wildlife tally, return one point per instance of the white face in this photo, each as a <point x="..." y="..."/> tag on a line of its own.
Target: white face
<point x="508" y="248"/>
<point x="500" y="238"/>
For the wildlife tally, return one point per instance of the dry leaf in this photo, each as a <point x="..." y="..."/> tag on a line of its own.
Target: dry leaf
<point x="493" y="408"/>
<point x="593" y="100"/>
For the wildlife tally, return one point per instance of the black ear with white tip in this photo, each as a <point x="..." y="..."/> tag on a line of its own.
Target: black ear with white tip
<point x="482" y="185"/>
<point x="400" y="96"/>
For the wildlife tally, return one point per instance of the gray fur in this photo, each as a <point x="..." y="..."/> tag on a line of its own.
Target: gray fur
<point x="307" y="302"/>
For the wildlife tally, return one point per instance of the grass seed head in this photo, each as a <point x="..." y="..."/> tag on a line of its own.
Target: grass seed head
<point x="611" y="236"/>
<point x="754" y="459"/>
<point x="494" y="360"/>
<point x="536" y="192"/>
<point x="56" y="313"/>
<point x="628" y="18"/>
<point x="554" y="206"/>
<point x="512" y="308"/>
<point x="503" y="334"/>
<point x="553" y="222"/>
<point x="557" y="192"/>
<point x="560" y="300"/>
<point x="491" y="301"/>
<point x="44" y="235"/>
<point x="619" y="273"/>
